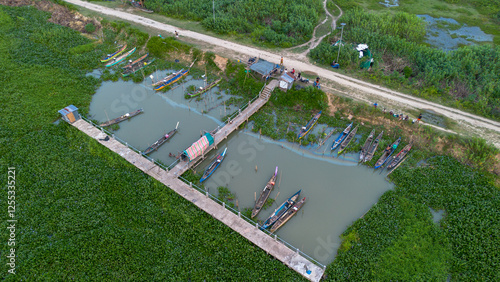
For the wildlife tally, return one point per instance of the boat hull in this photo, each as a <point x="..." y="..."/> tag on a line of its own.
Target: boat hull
<point x="281" y="210"/>
<point x="114" y="55"/>
<point x="309" y="126"/>
<point x="288" y="215"/>
<point x="264" y="194"/>
<point x="213" y="166"/>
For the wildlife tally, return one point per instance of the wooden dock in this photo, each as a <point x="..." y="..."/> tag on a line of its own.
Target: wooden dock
<point x="229" y="128"/>
<point x="291" y="258"/>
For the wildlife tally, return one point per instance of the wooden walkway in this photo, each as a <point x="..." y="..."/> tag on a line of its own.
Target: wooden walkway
<point x="273" y="247"/>
<point x="231" y="126"/>
<point x="291" y="258"/>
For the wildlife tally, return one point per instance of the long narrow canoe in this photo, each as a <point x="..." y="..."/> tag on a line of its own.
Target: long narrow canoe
<point x="205" y="89"/>
<point x="264" y="194"/>
<point x="122" y="118"/>
<point x="341" y="137"/>
<point x="162" y="140"/>
<point x="281" y="210"/>
<point x="304" y="130"/>
<point x="373" y="148"/>
<point x="140" y="59"/>
<point x="347" y="140"/>
<point x="366" y="146"/>
<point x="323" y="140"/>
<point x="213" y="166"/>
<point x="167" y="82"/>
<point x="387" y="153"/>
<point x="137" y="67"/>
<point x="397" y="159"/>
<point x="159" y="82"/>
<point x="111" y="56"/>
<point x="288" y="214"/>
<point x="121" y="58"/>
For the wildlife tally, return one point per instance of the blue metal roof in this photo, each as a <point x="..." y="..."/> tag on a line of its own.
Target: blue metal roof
<point x="287" y="78"/>
<point x="67" y="110"/>
<point x="263" y="67"/>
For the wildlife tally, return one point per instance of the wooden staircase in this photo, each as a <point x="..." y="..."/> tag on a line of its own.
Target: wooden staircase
<point x="266" y="92"/>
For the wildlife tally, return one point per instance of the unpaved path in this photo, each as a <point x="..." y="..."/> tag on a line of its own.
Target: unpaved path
<point x="314" y="42"/>
<point x="488" y="129"/>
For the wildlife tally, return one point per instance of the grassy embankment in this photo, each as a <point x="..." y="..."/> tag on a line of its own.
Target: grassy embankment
<point x="83" y="212"/>
<point x="466" y="78"/>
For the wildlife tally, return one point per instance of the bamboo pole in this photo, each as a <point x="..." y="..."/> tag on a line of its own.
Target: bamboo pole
<point x="279" y="183"/>
<point x="255" y="196"/>
<point x="276" y="196"/>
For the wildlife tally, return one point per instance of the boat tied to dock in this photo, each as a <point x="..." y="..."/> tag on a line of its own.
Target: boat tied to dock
<point x="264" y="194"/>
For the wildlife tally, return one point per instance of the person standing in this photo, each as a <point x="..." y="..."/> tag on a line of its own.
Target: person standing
<point x="419" y="118"/>
<point x="176" y="34"/>
<point x="281" y="62"/>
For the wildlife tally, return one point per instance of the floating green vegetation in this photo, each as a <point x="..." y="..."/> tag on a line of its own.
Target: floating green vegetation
<point x="82" y="205"/>
<point x="269" y="202"/>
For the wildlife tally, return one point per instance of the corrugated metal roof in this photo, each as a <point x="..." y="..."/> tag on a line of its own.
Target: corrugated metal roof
<point x="67" y="110"/>
<point x="288" y="77"/>
<point x="263" y="67"/>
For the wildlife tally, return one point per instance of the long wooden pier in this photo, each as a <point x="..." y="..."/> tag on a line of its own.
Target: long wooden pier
<point x="292" y="258"/>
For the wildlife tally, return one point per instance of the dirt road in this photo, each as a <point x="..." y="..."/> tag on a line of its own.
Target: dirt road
<point x="488" y="129"/>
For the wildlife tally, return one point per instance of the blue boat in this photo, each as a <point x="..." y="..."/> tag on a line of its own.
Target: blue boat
<point x="341" y="137"/>
<point x="213" y="166"/>
<point x="387" y="153"/>
<point x="304" y="130"/>
<point x="281" y="210"/>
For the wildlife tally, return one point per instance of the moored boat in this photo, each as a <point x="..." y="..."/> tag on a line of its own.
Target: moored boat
<point x="137" y="67"/>
<point x="304" y="130"/>
<point x="373" y="148"/>
<point x="341" y="137"/>
<point x="140" y="59"/>
<point x="288" y="214"/>
<point x="399" y="157"/>
<point x="366" y="146"/>
<point x="121" y="58"/>
<point x="387" y="153"/>
<point x="162" y="140"/>
<point x="264" y="194"/>
<point x="213" y="166"/>
<point x="281" y="210"/>
<point x="347" y="140"/>
<point x="121" y="118"/>
<point x="117" y="53"/>
<point x="204" y="89"/>
<point x="170" y="80"/>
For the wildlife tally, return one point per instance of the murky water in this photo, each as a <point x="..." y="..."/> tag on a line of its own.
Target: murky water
<point x="448" y="34"/>
<point x="337" y="190"/>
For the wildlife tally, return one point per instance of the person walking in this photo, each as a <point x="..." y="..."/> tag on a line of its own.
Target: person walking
<point x="419" y="118"/>
<point x="176" y="34"/>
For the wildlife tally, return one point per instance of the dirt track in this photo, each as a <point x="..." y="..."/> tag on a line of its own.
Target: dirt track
<point x="488" y="129"/>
